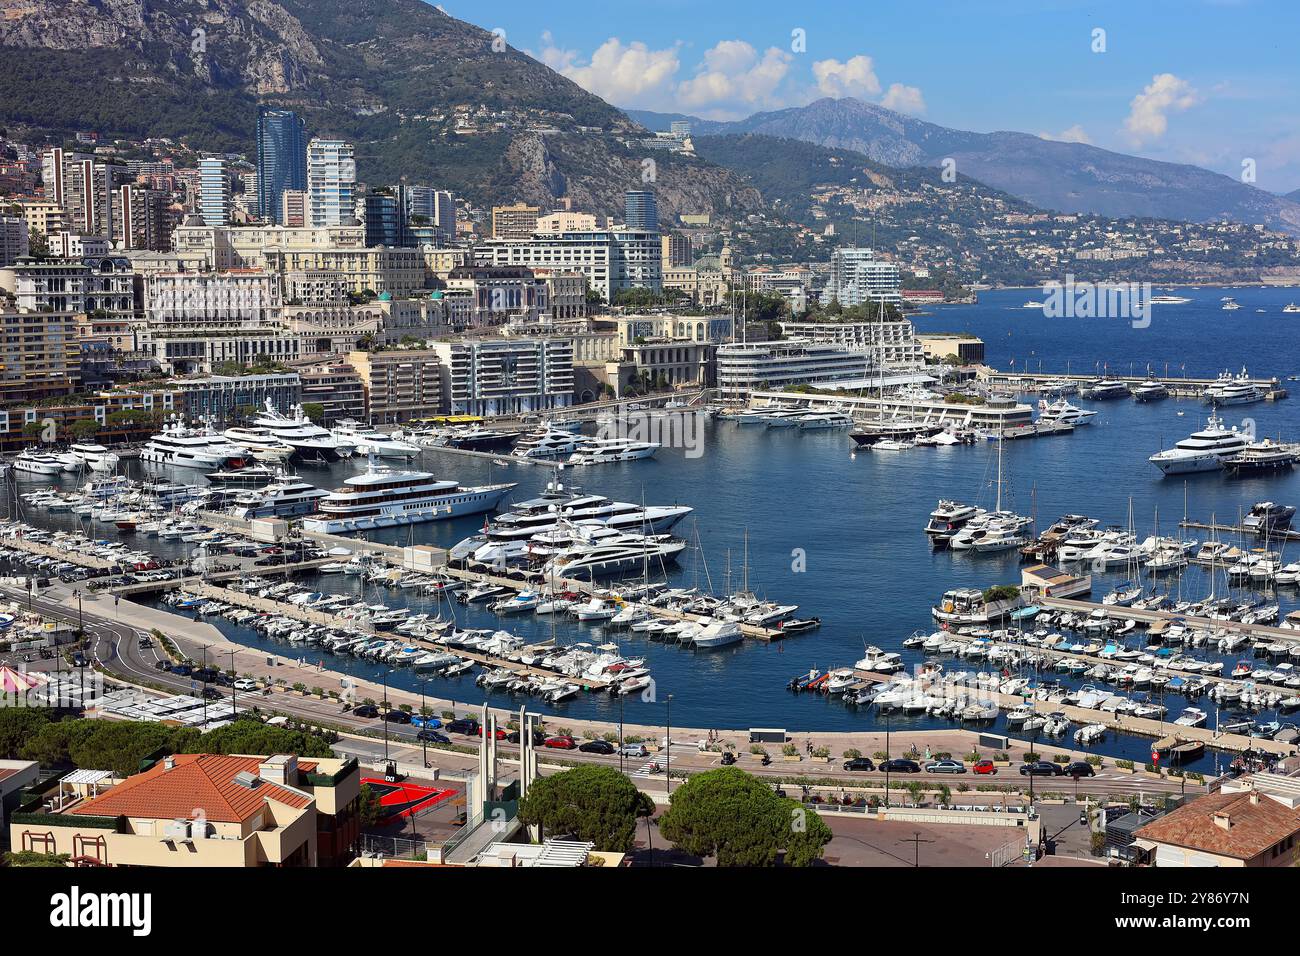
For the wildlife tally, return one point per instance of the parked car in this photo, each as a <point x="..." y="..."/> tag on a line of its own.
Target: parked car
<point x="634" y="750"/>
<point x="900" y="765"/>
<point x="397" y="717"/>
<point x="366" y="710"/>
<point x="859" y="763"/>
<point x="597" y="747"/>
<point x="432" y="737"/>
<point x="1080" y="768"/>
<point x="561" y="742"/>
<point x="465" y="725"/>
<point x="245" y="683"/>
<point x="539" y="738"/>
<point x="984" y="766"/>
<point x="499" y="734"/>
<point x="211" y="693"/>
<point x="428" y="723"/>
<point x="1040" y="768"/>
<point x="945" y="766"/>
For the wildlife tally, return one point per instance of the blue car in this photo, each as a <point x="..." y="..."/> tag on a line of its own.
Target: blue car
<point x="428" y="723"/>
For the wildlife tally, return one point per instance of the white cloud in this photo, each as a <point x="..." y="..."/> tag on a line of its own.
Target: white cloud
<point x="624" y="74"/>
<point x="1075" y="134"/>
<point x="904" y="99"/>
<point x="734" y="80"/>
<point x="1148" y="117"/>
<point x="854" y="77"/>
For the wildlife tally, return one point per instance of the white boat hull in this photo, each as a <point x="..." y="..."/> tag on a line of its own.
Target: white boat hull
<point x="464" y="503"/>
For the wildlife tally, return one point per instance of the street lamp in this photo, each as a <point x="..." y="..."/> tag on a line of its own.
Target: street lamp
<point x="384" y="702"/>
<point x="668" y="772"/>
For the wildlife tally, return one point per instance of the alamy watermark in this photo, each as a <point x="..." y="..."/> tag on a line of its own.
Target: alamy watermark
<point x="1090" y="300"/>
<point x="668" y="428"/>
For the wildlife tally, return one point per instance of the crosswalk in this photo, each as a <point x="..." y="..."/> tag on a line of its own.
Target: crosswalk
<point x="644" y="771"/>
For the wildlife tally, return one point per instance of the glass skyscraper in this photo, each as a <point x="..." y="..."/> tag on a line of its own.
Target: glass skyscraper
<point x="640" y="211"/>
<point x="281" y="159"/>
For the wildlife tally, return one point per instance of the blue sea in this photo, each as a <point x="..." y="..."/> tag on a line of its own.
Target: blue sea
<point x="840" y="533"/>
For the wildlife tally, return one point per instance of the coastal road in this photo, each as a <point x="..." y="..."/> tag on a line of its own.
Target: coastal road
<point x="116" y="647"/>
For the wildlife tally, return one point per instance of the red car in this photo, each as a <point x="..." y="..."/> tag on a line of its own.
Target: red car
<point x="984" y="766"/>
<point x="561" y="742"/>
<point x="500" y="734"/>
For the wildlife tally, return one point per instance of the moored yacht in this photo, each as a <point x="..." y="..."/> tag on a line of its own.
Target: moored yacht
<point x="181" y="447"/>
<point x="90" y="454"/>
<point x="286" y="497"/>
<point x="1204" y="450"/>
<point x="548" y="442"/>
<point x="383" y="498"/>
<point x="604" y="450"/>
<point x="368" y="441"/>
<point x="1261" y="456"/>
<point x="1231" y="389"/>
<point x="1265" y="517"/>
<point x="949" y="518"/>
<point x="37" y="464"/>
<point x="1104" y="389"/>
<point x="308" y="440"/>
<point x="613" y="554"/>
<point x="1150" y="391"/>
<point x="1061" y="411"/>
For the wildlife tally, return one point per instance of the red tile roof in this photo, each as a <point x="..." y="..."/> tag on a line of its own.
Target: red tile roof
<point x="196" y="783"/>
<point x="1254" y="826"/>
<point x="7" y="772"/>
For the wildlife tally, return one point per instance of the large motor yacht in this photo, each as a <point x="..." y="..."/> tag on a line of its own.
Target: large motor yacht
<point x="181" y="447"/>
<point x="1261" y="456"/>
<point x="369" y="441"/>
<point x="308" y="440"/>
<point x="1062" y="412"/>
<point x="614" y="554"/>
<point x="288" y="496"/>
<point x="603" y="450"/>
<point x="383" y="498"/>
<point x="949" y="518"/>
<point x="1231" y="389"/>
<point x="548" y="442"/>
<point x="1204" y="450"/>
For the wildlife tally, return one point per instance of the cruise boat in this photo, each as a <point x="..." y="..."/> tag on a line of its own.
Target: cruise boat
<point x="264" y="447"/>
<point x="1150" y="391"/>
<point x="368" y="441"/>
<point x="286" y="497"/>
<point x="308" y="440"/>
<point x="1261" y="456"/>
<point x="1233" y="390"/>
<point x="617" y="554"/>
<point x="180" y="447"/>
<point x="548" y="443"/>
<point x="37" y="464"/>
<point x="1204" y="450"/>
<point x="1062" y="412"/>
<point x="383" y="498"/>
<point x="1104" y="389"/>
<point x="603" y="450"/>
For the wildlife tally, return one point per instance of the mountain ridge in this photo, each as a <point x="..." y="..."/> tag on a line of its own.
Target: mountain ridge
<point x="1055" y="175"/>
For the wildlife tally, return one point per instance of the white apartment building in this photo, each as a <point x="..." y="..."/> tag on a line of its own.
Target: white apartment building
<point x="747" y="367"/>
<point x="505" y="376"/>
<point x="893" y="341"/>
<point x="331" y="182"/>
<point x="857" y="277"/>
<point x="610" y="259"/>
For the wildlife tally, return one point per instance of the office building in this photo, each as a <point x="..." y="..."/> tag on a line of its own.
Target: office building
<point x="640" y="211"/>
<point x="331" y="183"/>
<point x="281" y="160"/>
<point x="214" y="192"/>
<point x="384" y="217"/>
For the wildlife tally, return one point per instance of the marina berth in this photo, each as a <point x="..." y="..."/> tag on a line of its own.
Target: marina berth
<point x="384" y="498"/>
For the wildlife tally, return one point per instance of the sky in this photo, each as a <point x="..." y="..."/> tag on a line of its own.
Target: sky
<point x="1215" y="83"/>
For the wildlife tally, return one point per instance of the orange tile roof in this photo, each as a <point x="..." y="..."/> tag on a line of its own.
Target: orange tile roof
<point x="1254" y="827"/>
<point x="197" y="782"/>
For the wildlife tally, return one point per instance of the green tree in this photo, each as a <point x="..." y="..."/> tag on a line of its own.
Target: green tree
<point x="84" y="429"/>
<point x="736" y="818"/>
<point x="17" y="725"/>
<point x="587" y="803"/>
<point x="315" y="411"/>
<point x="368" y="808"/>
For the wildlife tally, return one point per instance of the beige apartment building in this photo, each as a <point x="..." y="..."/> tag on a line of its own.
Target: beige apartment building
<point x="253" y="811"/>
<point x="514" y="222"/>
<point x="400" y="384"/>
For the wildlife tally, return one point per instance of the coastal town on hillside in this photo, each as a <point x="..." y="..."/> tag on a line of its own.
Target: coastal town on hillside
<point x="504" y="483"/>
